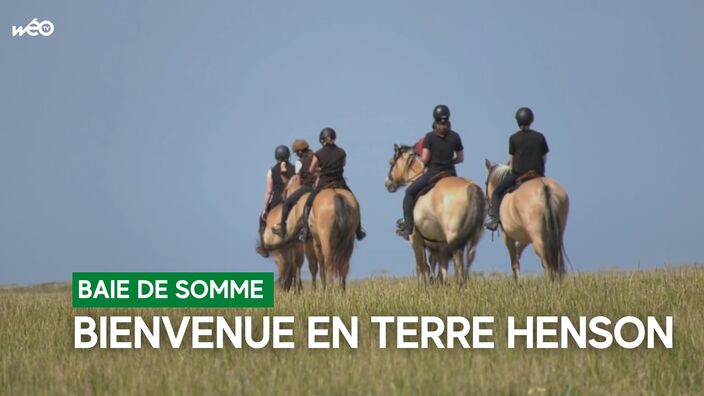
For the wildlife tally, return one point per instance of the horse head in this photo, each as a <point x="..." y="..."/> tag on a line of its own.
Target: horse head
<point x="494" y="176"/>
<point x="405" y="167"/>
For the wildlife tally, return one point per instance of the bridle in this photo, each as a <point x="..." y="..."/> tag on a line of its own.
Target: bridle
<point x="486" y="183"/>
<point x="413" y="157"/>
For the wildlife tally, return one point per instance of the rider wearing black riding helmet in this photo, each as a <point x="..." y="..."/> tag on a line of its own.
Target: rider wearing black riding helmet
<point x="527" y="151"/>
<point x="442" y="150"/>
<point x="328" y="163"/>
<point x="276" y="179"/>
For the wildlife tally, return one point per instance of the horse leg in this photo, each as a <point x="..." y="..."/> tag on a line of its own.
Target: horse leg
<point x="281" y="267"/>
<point x="540" y="251"/>
<point x="512" y="253"/>
<point x="419" y="251"/>
<point x="471" y="254"/>
<point x="432" y="264"/>
<point x="300" y="256"/>
<point x="519" y="251"/>
<point x="444" y="262"/>
<point x="312" y="261"/>
<point x="321" y="264"/>
<point x="458" y="258"/>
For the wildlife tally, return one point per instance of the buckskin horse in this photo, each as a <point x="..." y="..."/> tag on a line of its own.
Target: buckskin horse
<point x="448" y="218"/>
<point x="333" y="219"/>
<point x="288" y="252"/>
<point x="536" y="212"/>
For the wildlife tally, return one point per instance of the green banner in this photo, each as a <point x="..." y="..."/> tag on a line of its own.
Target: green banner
<point x="173" y="289"/>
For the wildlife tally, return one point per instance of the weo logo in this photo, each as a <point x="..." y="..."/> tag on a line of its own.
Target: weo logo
<point x="33" y="28"/>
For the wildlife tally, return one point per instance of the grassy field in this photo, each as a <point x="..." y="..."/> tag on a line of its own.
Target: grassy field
<point x="37" y="355"/>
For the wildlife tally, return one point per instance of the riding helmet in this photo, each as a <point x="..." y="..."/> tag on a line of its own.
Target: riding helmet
<point x="327" y="133"/>
<point x="524" y="116"/>
<point x="282" y="153"/>
<point x="441" y="112"/>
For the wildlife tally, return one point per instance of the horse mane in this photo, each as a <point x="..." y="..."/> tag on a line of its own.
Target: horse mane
<point x="499" y="173"/>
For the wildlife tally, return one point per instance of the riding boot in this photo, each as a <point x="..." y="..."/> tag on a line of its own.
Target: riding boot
<point x="405" y="226"/>
<point x="493" y="222"/>
<point x="304" y="235"/>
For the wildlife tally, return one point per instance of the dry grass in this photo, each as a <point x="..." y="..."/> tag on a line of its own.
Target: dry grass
<point x="37" y="355"/>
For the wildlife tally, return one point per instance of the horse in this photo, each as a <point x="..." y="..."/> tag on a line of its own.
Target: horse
<point x="333" y="219"/>
<point x="288" y="253"/>
<point x="536" y="212"/>
<point x="448" y="218"/>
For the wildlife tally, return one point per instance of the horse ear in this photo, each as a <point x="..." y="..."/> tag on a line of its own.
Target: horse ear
<point x="396" y="148"/>
<point x="487" y="163"/>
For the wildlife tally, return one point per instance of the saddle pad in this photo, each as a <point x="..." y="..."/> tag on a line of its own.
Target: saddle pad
<point x="530" y="175"/>
<point x="433" y="181"/>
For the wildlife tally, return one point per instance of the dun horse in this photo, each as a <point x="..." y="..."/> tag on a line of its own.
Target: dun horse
<point x="534" y="213"/>
<point x="448" y="219"/>
<point x="333" y="219"/>
<point x="288" y="253"/>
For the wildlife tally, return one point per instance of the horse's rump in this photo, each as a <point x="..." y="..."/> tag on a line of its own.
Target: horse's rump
<point x="450" y="213"/>
<point x="333" y="219"/>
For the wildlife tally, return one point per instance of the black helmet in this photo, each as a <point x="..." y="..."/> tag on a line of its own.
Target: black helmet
<point x="524" y="116"/>
<point x="282" y="153"/>
<point x="441" y="112"/>
<point x="327" y="133"/>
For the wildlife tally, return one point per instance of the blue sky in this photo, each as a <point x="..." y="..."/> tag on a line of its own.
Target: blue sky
<point x="138" y="135"/>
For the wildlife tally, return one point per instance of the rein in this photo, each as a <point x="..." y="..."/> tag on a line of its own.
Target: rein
<point x="409" y="164"/>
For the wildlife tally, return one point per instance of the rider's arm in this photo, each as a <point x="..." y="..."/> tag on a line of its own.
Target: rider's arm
<point x="314" y="166"/>
<point x="459" y="157"/>
<point x="545" y="151"/>
<point x="425" y="156"/>
<point x="269" y="190"/>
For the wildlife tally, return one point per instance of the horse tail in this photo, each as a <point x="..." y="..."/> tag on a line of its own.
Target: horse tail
<point x="342" y="232"/>
<point x="552" y="233"/>
<point x="473" y="225"/>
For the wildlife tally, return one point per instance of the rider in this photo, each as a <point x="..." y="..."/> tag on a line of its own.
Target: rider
<point x="442" y="150"/>
<point x="276" y="179"/>
<point x="528" y="151"/>
<point x="328" y="163"/>
<point x="305" y="156"/>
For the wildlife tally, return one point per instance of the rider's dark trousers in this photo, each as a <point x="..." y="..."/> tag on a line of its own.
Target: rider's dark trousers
<point x="499" y="193"/>
<point x="291" y="201"/>
<point x="412" y="191"/>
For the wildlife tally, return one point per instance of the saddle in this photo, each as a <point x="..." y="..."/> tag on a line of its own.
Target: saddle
<point x="433" y="181"/>
<point x="531" y="174"/>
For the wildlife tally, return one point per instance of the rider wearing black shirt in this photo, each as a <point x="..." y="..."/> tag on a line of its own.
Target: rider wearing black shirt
<point x="328" y="163"/>
<point x="439" y="149"/>
<point x="528" y="151"/>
